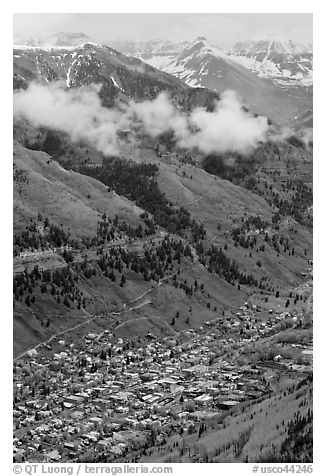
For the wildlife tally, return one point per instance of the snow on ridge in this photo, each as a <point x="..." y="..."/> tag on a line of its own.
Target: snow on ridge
<point x="255" y="46"/>
<point x="160" y="62"/>
<point x="50" y="48"/>
<point x="116" y="84"/>
<point x="268" y="69"/>
<point x="68" y="80"/>
<point x="265" y="69"/>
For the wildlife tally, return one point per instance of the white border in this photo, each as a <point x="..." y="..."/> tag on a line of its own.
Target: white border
<point x="167" y="6"/>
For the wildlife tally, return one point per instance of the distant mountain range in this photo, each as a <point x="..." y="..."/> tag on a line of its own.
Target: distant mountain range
<point x="273" y="78"/>
<point x="121" y="77"/>
<point x="137" y="254"/>
<point x="53" y="40"/>
<point x="287" y="63"/>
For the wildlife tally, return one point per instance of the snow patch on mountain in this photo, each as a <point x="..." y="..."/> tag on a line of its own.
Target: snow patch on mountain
<point x="286" y="63"/>
<point x="116" y="84"/>
<point x="68" y="80"/>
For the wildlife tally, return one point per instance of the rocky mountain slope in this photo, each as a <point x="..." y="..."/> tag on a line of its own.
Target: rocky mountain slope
<point x="121" y="77"/>
<point x="143" y="49"/>
<point x="273" y="78"/>
<point x="285" y="62"/>
<point x="246" y="220"/>
<point x="206" y="253"/>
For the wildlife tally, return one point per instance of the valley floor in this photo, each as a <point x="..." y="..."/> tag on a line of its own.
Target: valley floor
<point x="198" y="395"/>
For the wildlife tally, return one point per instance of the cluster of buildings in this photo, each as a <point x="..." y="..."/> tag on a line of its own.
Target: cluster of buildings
<point x="27" y="256"/>
<point x="117" y="395"/>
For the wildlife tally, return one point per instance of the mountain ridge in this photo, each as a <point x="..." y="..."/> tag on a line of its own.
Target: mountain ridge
<point x="121" y="77"/>
<point x="162" y="277"/>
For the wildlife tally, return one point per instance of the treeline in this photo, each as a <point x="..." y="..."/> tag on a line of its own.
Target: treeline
<point x="20" y="179"/>
<point x="242" y="170"/>
<point x="296" y="206"/>
<point x="246" y="237"/>
<point x="41" y="236"/>
<point x="60" y="283"/>
<point x="297" y="447"/>
<point x="155" y="263"/>
<point x="108" y="227"/>
<point x="298" y="444"/>
<point x="138" y="183"/>
<point x="112" y="228"/>
<point x="152" y="264"/>
<point x="231" y="166"/>
<point x="218" y="262"/>
<point x="243" y="236"/>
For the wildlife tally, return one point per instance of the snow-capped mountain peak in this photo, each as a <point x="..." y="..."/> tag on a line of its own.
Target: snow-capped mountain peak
<point x="272" y="76"/>
<point x="287" y="47"/>
<point x="149" y="48"/>
<point x="285" y="62"/>
<point x="201" y="46"/>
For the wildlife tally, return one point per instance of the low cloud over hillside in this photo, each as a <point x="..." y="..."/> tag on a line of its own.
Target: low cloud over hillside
<point x="79" y="113"/>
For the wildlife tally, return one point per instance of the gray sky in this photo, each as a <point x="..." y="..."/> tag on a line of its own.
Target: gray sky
<point x="217" y="28"/>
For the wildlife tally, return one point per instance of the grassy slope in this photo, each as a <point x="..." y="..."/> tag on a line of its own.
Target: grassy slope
<point x="266" y="423"/>
<point x="65" y="197"/>
<point x="74" y="201"/>
<point x="106" y="297"/>
<point x="218" y="202"/>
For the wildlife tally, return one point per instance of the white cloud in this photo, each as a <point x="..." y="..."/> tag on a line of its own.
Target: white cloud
<point x="218" y="28"/>
<point x="79" y="113"/>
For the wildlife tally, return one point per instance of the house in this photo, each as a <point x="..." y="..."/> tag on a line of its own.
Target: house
<point x="77" y="415"/>
<point x="227" y="404"/>
<point x="74" y="400"/>
<point x="147" y="397"/>
<point x="53" y="456"/>
<point x="204" y="399"/>
<point x="95" y="420"/>
<point x="131" y="422"/>
<point x="214" y="391"/>
<point x="104" y="444"/>
<point x="116" y="450"/>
